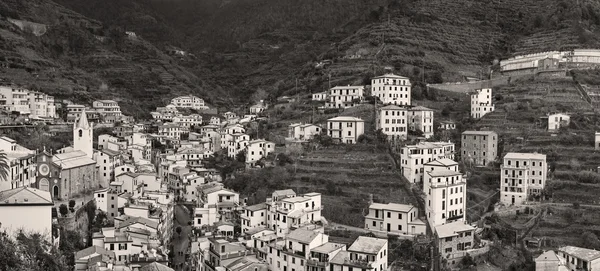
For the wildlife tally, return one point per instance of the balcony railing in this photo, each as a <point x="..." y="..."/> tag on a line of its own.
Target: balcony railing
<point x="357" y="263"/>
<point x="316" y="263"/>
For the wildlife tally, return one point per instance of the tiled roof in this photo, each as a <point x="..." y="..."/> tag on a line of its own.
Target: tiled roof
<point x="452" y="229"/>
<point x="368" y="245"/>
<point x="442" y="172"/>
<point x="25" y="196"/>
<point x="156" y="267"/>
<point x="581" y="253"/>
<point x="93" y="250"/>
<point x="345" y="118"/>
<point x="303" y="236"/>
<point x="405" y="208"/>
<point x="256" y="207"/>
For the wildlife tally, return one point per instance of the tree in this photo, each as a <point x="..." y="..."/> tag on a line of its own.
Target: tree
<point x="4" y="166"/>
<point x="63" y="209"/>
<point x="71" y="203"/>
<point x="178" y="230"/>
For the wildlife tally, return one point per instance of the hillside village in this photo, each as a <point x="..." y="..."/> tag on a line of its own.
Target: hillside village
<point x="359" y="176"/>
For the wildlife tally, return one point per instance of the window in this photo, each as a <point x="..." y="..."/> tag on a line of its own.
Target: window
<point x="399" y="216"/>
<point x="389" y="215"/>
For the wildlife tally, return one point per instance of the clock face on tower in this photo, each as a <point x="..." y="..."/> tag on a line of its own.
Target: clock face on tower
<point x="44" y="169"/>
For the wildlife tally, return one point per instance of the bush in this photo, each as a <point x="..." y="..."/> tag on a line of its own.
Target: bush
<point x="63" y="209"/>
<point x="71" y="203"/>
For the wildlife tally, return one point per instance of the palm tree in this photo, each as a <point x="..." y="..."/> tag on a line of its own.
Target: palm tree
<point x="4" y="166"/>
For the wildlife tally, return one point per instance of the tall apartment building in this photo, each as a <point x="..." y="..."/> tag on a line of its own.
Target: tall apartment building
<point x="479" y="147"/>
<point x="345" y="129"/>
<point x="391" y="89"/>
<point x="446" y="193"/>
<point x="522" y="175"/>
<point x="421" y="118"/>
<point x="414" y="157"/>
<point x="22" y="167"/>
<point x="345" y="96"/>
<point x="391" y="119"/>
<point x="107" y="108"/>
<point x="394" y="218"/>
<point x="189" y="101"/>
<point x="283" y="211"/>
<point x="26" y="102"/>
<point x="365" y="253"/>
<point x="481" y="103"/>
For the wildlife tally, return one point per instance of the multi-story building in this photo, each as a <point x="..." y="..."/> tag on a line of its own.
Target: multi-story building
<point x="577" y="258"/>
<point x="321" y="96"/>
<point x="254" y="216"/>
<point x="107" y="200"/>
<point x="522" y="175"/>
<point x="189" y="101"/>
<point x="172" y="130"/>
<point x="236" y="144"/>
<point x="294" y="250"/>
<point x="414" y="157"/>
<point x="26" y="209"/>
<point x="257" y="149"/>
<point x="107" y="160"/>
<point x="26" y="102"/>
<point x="392" y="120"/>
<point x="446" y="200"/>
<point x="447" y="125"/>
<point x="365" y="253"/>
<point x="555" y="121"/>
<point x="22" y="167"/>
<point x="391" y="89"/>
<point x="215" y="196"/>
<point x="189" y="121"/>
<point x="345" y="129"/>
<point x="481" y="103"/>
<point x="443" y="163"/>
<point x="123" y="130"/>
<point x="453" y="239"/>
<point x="320" y="257"/>
<point x="108" y="109"/>
<point x="421" y="119"/>
<point x="165" y="113"/>
<point x="345" y="96"/>
<point x="301" y="131"/>
<point x="290" y="211"/>
<point x="479" y="147"/>
<point x="394" y="218"/>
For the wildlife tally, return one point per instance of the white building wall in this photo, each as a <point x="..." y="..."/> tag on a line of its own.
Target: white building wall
<point x="29" y="218"/>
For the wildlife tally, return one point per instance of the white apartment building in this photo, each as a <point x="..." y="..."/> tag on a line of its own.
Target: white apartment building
<point x="193" y="120"/>
<point x="26" y="102"/>
<point x="391" y="89"/>
<point x="522" y="175"/>
<point x="555" y="121"/>
<point x="294" y="250"/>
<point x="189" y="101"/>
<point x="365" y="253"/>
<point x="238" y="143"/>
<point x="26" y="209"/>
<point x="321" y="96"/>
<point x="106" y="161"/>
<point x="107" y="200"/>
<point x="421" y="118"/>
<point x="345" y="129"/>
<point x="446" y="196"/>
<point x="286" y="210"/>
<point x="107" y="108"/>
<point x="394" y="218"/>
<point x="215" y="196"/>
<point x="301" y="131"/>
<point x="254" y="216"/>
<point x="258" y="149"/>
<point x="345" y="96"/>
<point x="392" y="120"/>
<point x="414" y="157"/>
<point x="21" y="165"/>
<point x="481" y="103"/>
<point x="172" y="130"/>
<point x="204" y="216"/>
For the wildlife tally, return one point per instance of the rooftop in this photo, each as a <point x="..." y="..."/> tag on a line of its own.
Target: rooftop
<point x="442" y="162"/>
<point x="156" y="267"/>
<point x="547" y="256"/>
<point x="581" y="253"/>
<point x="303" y="236"/>
<point x="452" y="229"/>
<point x="327" y="247"/>
<point x="518" y="155"/>
<point x="72" y="159"/>
<point x="390" y="75"/>
<point x="295" y="199"/>
<point x="392" y="207"/>
<point x="285" y="192"/>
<point x="256" y="207"/>
<point x="89" y="251"/>
<point x="392" y="107"/>
<point x="420" y="108"/>
<point x="442" y="172"/>
<point x="479" y="133"/>
<point x="368" y="245"/>
<point x="345" y="118"/>
<point x="346" y="87"/>
<point x="25" y="196"/>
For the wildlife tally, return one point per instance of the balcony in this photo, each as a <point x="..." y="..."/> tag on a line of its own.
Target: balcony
<point x="315" y="262"/>
<point x="455" y="217"/>
<point x="209" y="264"/>
<point x="358" y="263"/>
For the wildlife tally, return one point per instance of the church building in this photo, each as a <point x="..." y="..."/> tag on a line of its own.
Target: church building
<point x="72" y="170"/>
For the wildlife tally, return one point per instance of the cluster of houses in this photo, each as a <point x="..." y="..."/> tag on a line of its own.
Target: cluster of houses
<point x="101" y="111"/>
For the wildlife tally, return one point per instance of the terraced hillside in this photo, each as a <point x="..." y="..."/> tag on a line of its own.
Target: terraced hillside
<point x="347" y="175"/>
